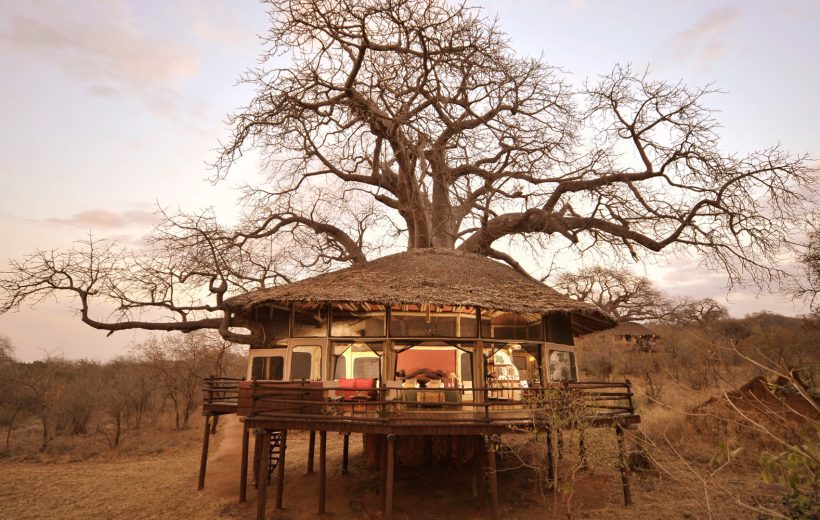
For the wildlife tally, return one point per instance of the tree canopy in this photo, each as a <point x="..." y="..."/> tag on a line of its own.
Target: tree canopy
<point x="630" y="297"/>
<point x="414" y="123"/>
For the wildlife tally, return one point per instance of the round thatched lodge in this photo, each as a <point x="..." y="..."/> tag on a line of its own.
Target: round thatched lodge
<point x="427" y="347"/>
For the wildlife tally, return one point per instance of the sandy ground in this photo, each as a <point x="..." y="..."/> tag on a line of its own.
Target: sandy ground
<point x="164" y="487"/>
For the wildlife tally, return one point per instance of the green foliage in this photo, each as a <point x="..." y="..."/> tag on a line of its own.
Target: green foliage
<point x="798" y="468"/>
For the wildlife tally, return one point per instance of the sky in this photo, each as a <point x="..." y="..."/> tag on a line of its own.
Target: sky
<point x="113" y="108"/>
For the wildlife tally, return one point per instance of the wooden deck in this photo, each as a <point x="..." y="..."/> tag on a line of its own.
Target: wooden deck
<point x="271" y="409"/>
<point x="313" y="407"/>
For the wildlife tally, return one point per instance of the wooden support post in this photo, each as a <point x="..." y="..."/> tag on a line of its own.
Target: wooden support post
<point x="492" y="476"/>
<point x="213" y="424"/>
<point x="550" y="461"/>
<point x="481" y="471"/>
<point x="243" y="472"/>
<point x="262" y="476"/>
<point x="382" y="463"/>
<point x="479" y="378"/>
<point x="203" y="461"/>
<point x="624" y="466"/>
<point x="280" y="469"/>
<point x="388" y="486"/>
<point x="257" y="455"/>
<point x="345" y="452"/>
<point x="311" y="450"/>
<point x="322" y="470"/>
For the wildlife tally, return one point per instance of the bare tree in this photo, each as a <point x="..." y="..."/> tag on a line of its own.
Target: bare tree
<point x="619" y="292"/>
<point x="414" y="121"/>
<point x="686" y="310"/>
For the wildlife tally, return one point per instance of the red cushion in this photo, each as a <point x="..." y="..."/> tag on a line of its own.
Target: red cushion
<point x="347" y="395"/>
<point x="364" y="383"/>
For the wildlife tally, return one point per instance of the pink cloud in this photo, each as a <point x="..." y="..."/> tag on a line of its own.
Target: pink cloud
<point x="704" y="41"/>
<point x="100" y="44"/>
<point x="106" y="219"/>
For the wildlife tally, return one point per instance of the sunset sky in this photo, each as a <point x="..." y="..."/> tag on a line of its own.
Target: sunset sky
<point x="113" y="107"/>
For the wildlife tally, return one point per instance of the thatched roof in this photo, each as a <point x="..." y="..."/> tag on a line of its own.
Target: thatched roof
<point x="431" y="276"/>
<point x="630" y="328"/>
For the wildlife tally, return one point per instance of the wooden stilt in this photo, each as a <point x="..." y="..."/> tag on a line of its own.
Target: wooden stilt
<point x="263" y="440"/>
<point x="203" y="461"/>
<point x="243" y="472"/>
<point x="213" y="424"/>
<point x="257" y="454"/>
<point x="492" y="477"/>
<point x="280" y="470"/>
<point x="481" y="471"/>
<point x="382" y="463"/>
<point x="624" y="466"/>
<point x="388" y="486"/>
<point x="311" y="450"/>
<point x="322" y="470"/>
<point x="345" y="451"/>
<point x="550" y="461"/>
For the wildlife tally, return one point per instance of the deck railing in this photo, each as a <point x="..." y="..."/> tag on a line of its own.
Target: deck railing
<point x="581" y="401"/>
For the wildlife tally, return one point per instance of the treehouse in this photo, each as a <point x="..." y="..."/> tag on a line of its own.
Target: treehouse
<point x="425" y="347"/>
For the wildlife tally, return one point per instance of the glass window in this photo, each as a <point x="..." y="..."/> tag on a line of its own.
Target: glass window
<point x="275" y="319"/>
<point x="340" y="371"/>
<point x="354" y="320"/>
<point x="309" y="320"/>
<point x="306" y="362"/>
<point x="269" y="368"/>
<point x="355" y="359"/>
<point x="366" y="367"/>
<point x="511" y="325"/>
<point x="300" y="365"/>
<point x="466" y="366"/>
<point x="432" y="321"/>
<point x="562" y="366"/>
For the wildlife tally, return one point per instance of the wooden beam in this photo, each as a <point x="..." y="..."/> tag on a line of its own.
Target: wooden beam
<point x="311" y="450"/>
<point x="257" y="455"/>
<point x="243" y="472"/>
<point x="481" y="471"/>
<point x="263" y="440"/>
<point x="382" y="464"/>
<point x="322" y="470"/>
<point x="492" y="476"/>
<point x="478" y="371"/>
<point x="203" y="460"/>
<point x="388" y="487"/>
<point x="345" y="452"/>
<point x="280" y="467"/>
<point x="550" y="460"/>
<point x="624" y="466"/>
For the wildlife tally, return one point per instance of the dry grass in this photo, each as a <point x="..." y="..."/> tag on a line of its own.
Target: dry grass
<point x="142" y="486"/>
<point x="162" y="486"/>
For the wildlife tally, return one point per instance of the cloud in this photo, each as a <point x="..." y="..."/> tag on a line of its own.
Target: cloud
<point x="106" y="219"/>
<point x="101" y="44"/>
<point x="702" y="43"/>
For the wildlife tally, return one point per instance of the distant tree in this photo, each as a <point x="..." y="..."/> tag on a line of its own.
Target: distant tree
<point x="687" y="310"/>
<point x="414" y="122"/>
<point x="181" y="363"/>
<point x="619" y="292"/>
<point x="809" y="260"/>
<point x="6" y="350"/>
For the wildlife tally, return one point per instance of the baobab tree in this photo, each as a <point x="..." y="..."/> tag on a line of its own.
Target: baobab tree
<point x="619" y="292"/>
<point x="413" y="123"/>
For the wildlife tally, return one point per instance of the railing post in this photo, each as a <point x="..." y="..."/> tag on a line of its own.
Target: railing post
<point x="624" y="466"/>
